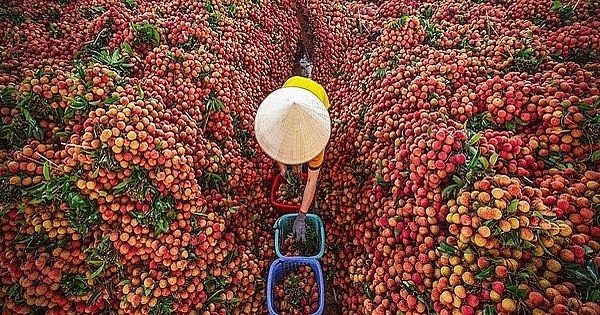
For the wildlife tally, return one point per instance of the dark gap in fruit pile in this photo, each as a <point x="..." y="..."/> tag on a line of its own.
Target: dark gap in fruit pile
<point x="305" y="47"/>
<point x="290" y="192"/>
<point x="310" y="247"/>
<point x="298" y="292"/>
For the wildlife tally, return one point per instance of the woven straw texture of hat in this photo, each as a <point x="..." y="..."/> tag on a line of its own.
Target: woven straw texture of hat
<point x="292" y="125"/>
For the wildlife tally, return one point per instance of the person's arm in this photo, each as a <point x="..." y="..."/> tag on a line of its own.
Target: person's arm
<point x="307" y="197"/>
<point x="282" y="168"/>
<point x="309" y="190"/>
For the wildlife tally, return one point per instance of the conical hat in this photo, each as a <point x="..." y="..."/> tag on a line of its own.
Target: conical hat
<point x="292" y="125"/>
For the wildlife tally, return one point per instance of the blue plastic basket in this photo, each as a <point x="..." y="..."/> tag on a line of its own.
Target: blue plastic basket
<point x="284" y="227"/>
<point x="281" y="267"/>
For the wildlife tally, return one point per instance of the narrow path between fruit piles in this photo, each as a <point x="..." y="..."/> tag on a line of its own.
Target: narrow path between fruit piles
<point x="306" y="46"/>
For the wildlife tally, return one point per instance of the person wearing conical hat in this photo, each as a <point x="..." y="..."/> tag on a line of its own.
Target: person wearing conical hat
<point x="292" y="126"/>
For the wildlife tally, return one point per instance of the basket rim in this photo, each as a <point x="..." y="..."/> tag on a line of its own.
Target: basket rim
<point x="320" y="234"/>
<point x="317" y="268"/>
<point x="276" y="183"/>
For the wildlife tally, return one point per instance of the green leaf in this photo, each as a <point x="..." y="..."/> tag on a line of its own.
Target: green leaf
<point x="447" y="249"/>
<point x="119" y="188"/>
<point x="46" y="171"/>
<point x="474" y="139"/>
<point x="96" y="173"/>
<point x="520" y="122"/>
<point x="513" y="205"/>
<point x="111" y="100"/>
<point x="458" y="180"/>
<point x="489" y="310"/>
<point x="472" y="150"/>
<point x="396" y="232"/>
<point x="494" y="159"/>
<point x="449" y="190"/>
<point x="485" y="273"/>
<point x="126" y="47"/>
<point x="140" y="92"/>
<point x="595" y="156"/>
<point x="484" y="162"/>
<point x="94" y="297"/>
<point x="97" y="272"/>
<point x="474" y="161"/>
<point x="556" y="5"/>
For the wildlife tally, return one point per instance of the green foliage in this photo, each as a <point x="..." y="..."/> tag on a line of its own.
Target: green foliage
<point x="294" y="293"/>
<point x="309" y="247"/>
<point x="74" y="284"/>
<point x="24" y="125"/>
<point x="566" y="12"/>
<point x="555" y="160"/>
<point x="79" y="104"/>
<point x="539" y="21"/>
<point x="591" y="123"/>
<point x="146" y="33"/>
<point x="138" y="185"/>
<point x="82" y="213"/>
<point x="294" y="185"/>
<point x="432" y="32"/>
<point x="53" y="31"/>
<point x="428" y="12"/>
<point x="16" y="17"/>
<point x="514" y="123"/>
<point x="380" y="73"/>
<point x="401" y="21"/>
<point x="160" y="215"/>
<point x="231" y="9"/>
<point x="214" y="104"/>
<point x="102" y="39"/>
<point x="164" y="306"/>
<point x="101" y="256"/>
<point x="464" y="44"/>
<point x="214" y="15"/>
<point x="91" y="12"/>
<point x="476" y="168"/>
<point x="583" y="56"/>
<point x="214" y="180"/>
<point x="526" y="60"/>
<point x="130" y="4"/>
<point x="586" y="279"/>
<point x="490" y="310"/>
<point x="191" y="44"/>
<point x="214" y="286"/>
<point x="116" y="61"/>
<point x="32" y="242"/>
<point x="103" y="158"/>
<point x="243" y="136"/>
<point x="423" y="297"/>
<point x="15" y="292"/>
<point x="9" y="194"/>
<point x="447" y="249"/>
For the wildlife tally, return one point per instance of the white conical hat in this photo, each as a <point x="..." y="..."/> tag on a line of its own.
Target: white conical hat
<point x="292" y="125"/>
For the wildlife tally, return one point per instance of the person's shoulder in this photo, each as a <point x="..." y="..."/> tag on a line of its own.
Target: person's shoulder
<point x="298" y="80"/>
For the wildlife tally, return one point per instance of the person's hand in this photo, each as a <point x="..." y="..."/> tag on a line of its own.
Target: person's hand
<point x="300" y="227"/>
